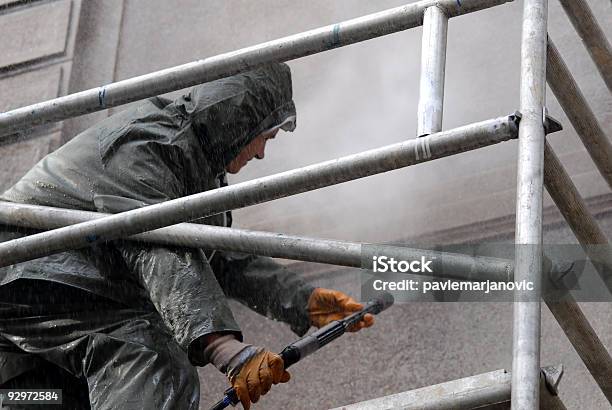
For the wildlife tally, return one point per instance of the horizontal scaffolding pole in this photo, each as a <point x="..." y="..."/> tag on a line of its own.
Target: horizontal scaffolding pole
<point x="344" y="169"/>
<point x="578" y="111"/>
<point x="227" y="64"/>
<point x="592" y="36"/>
<point x="484" y="391"/>
<point x="335" y="252"/>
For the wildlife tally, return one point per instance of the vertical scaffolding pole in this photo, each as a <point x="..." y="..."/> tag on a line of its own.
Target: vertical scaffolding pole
<point x="433" y="65"/>
<point x="530" y="180"/>
<point x="592" y="36"/>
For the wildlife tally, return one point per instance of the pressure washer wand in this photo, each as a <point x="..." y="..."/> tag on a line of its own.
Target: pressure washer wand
<point x="303" y="347"/>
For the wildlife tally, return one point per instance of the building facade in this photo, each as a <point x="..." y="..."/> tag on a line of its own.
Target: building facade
<point x="348" y="100"/>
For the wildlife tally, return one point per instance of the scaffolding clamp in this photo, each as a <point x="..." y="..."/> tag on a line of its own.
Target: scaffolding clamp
<point x="552" y="376"/>
<point x="551" y="125"/>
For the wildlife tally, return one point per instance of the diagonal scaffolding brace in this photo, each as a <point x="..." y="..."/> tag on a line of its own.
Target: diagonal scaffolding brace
<point x="578" y="111"/>
<point x="592" y="36"/>
<point x="569" y="315"/>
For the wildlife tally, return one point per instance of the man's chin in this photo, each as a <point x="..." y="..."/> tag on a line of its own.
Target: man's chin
<point x="234" y="169"/>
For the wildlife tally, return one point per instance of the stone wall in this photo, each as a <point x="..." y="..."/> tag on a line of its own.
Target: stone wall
<point x="37" y="39"/>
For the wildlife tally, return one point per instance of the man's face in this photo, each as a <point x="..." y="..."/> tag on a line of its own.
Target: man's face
<point x="255" y="149"/>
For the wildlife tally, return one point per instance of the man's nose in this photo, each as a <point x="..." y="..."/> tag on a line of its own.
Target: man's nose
<point x="261" y="152"/>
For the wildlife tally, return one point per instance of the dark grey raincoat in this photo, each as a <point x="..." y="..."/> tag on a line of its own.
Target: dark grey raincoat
<point x="125" y="317"/>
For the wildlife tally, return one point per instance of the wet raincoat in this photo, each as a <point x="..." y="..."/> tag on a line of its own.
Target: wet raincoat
<point x="136" y="311"/>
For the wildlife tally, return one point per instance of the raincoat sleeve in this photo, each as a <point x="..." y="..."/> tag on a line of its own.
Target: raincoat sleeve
<point x="185" y="292"/>
<point x="265" y="286"/>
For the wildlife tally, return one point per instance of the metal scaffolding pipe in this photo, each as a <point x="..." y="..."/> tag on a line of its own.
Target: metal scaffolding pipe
<point x="483" y="391"/>
<point x="433" y="65"/>
<point x="223" y="65"/>
<point x="592" y="36"/>
<point x="578" y="111"/>
<point x="571" y="319"/>
<point x="528" y="266"/>
<point x="587" y="344"/>
<point x="342" y="253"/>
<point x="351" y="167"/>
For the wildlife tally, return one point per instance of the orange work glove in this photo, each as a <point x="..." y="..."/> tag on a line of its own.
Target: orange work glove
<point x="327" y="305"/>
<point x="255" y="376"/>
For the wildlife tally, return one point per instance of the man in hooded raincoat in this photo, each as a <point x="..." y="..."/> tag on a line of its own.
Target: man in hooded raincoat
<point x="121" y="325"/>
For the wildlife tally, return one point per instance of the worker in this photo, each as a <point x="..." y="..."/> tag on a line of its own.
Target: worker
<point x="122" y="325"/>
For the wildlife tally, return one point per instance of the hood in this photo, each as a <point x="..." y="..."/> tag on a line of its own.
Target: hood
<point x="229" y="113"/>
